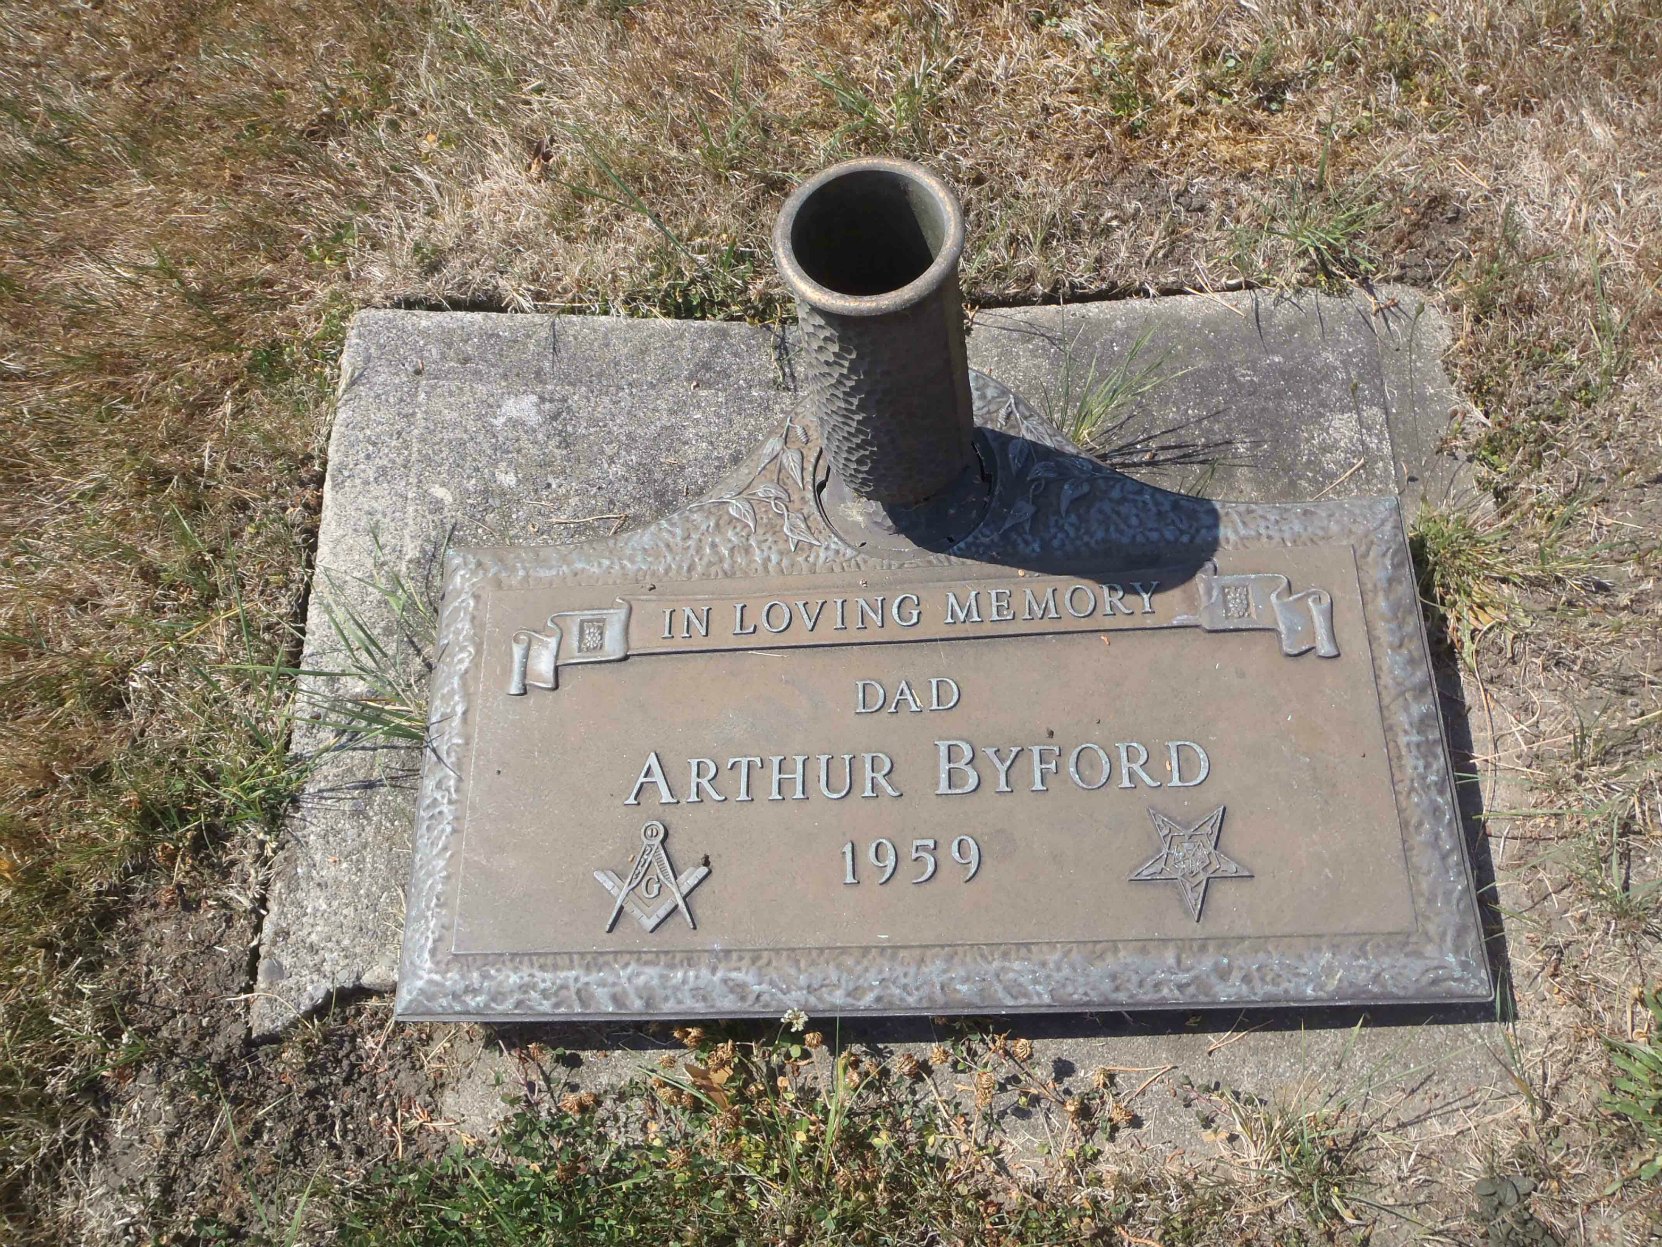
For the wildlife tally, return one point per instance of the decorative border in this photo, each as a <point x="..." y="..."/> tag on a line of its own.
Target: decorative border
<point x="1053" y="507"/>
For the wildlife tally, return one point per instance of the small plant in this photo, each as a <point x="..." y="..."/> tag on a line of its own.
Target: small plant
<point x="1473" y="566"/>
<point x="781" y="1140"/>
<point x="1463" y="576"/>
<point x="793" y="1138"/>
<point x="376" y="686"/>
<point x="1314" y="1157"/>
<point x="1331" y="232"/>
<point x="1327" y="226"/>
<point x="686" y="278"/>
<point x="724" y="147"/>
<point x="1602" y="862"/>
<point x="1095" y="411"/>
<point x="1101" y="403"/>
<point x="1636" y="1091"/>
<point x="901" y="121"/>
<point x="271" y="1228"/>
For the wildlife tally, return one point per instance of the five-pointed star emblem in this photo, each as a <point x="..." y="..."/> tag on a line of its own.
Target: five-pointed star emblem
<point x="1189" y="857"/>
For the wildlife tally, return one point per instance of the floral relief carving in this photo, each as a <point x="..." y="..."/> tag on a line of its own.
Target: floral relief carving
<point x="779" y="492"/>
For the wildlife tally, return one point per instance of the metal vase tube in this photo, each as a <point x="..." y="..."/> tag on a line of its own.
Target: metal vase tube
<point x="869" y="249"/>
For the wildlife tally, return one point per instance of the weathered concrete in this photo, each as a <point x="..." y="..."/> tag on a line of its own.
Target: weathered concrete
<point x="471" y="429"/>
<point x="479" y="428"/>
<point x="1261" y="397"/>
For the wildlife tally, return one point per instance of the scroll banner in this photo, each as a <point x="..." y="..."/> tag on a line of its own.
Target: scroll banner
<point x="926" y="611"/>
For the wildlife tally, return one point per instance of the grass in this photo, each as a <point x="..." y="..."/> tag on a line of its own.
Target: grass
<point x="195" y="198"/>
<point x="1096" y="407"/>
<point x="1330" y="229"/>
<point x="270" y="1224"/>
<point x="1603" y="859"/>
<point x="787" y="1138"/>
<point x="1636" y="1090"/>
<point x="1500" y="568"/>
<point x="754" y="1142"/>
<point x="1315" y="1157"/>
<point x="1311" y="1157"/>
<point x="383" y="633"/>
<point x="157" y="817"/>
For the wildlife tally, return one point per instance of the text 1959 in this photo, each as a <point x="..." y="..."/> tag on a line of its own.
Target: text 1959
<point x="883" y="854"/>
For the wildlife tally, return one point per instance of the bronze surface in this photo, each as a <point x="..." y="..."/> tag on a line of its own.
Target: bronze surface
<point x="1294" y="747"/>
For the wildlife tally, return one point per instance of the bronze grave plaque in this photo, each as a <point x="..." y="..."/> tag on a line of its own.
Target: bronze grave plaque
<point x="1116" y="748"/>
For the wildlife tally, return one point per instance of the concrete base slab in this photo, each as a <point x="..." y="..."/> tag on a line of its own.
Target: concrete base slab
<point x="1256" y="397"/>
<point x="478" y="428"/>
<point x="467" y="429"/>
<point x="1404" y="1078"/>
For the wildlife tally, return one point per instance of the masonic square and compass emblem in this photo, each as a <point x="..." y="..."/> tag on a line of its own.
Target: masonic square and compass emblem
<point x="1189" y="857"/>
<point x="652" y="878"/>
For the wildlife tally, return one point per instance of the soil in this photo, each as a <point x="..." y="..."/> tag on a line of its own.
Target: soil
<point x="210" y="1133"/>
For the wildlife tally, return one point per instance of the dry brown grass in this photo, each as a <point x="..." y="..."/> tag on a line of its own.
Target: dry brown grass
<point x="194" y="196"/>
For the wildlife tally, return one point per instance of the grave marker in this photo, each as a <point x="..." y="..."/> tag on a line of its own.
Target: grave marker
<point x="926" y="712"/>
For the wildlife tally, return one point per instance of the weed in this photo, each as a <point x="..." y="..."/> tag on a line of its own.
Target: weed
<point x="723" y="148"/>
<point x="1636" y="1090"/>
<point x="1611" y="354"/>
<point x="864" y="119"/>
<point x="1593" y="806"/>
<point x="272" y="1229"/>
<point x="775" y="1140"/>
<point x="624" y="195"/>
<point x="1316" y="1157"/>
<point x="1500" y="269"/>
<point x="1474" y="567"/>
<point x="896" y="123"/>
<point x="1332" y="231"/>
<point x="1311" y="1155"/>
<point x="1602" y="861"/>
<point x="384" y="629"/>
<point x="1097" y="410"/>
<point x="1099" y="405"/>
<point x="1252" y="78"/>
<point x="1465" y="575"/>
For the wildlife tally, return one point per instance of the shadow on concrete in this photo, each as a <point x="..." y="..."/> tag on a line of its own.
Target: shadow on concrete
<point x="1468" y="791"/>
<point x="580" y="1037"/>
<point x="1035" y="506"/>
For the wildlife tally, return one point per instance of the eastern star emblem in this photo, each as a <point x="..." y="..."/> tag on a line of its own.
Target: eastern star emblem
<point x="1189" y="857"/>
<point x="650" y="877"/>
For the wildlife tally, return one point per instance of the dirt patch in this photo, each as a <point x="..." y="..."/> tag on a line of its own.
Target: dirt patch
<point x="210" y="1133"/>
